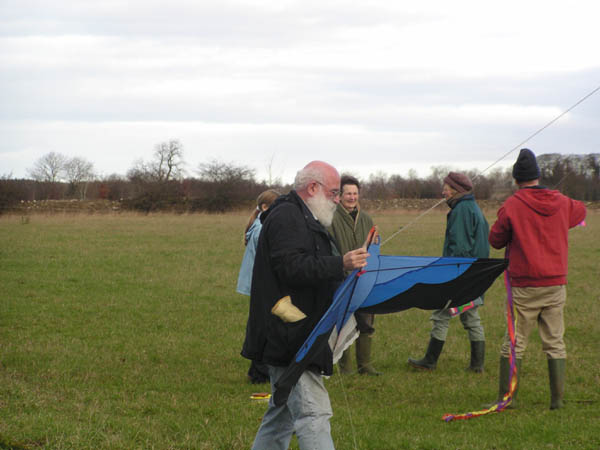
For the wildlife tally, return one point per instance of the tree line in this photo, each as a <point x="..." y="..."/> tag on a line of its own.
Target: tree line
<point x="162" y="183"/>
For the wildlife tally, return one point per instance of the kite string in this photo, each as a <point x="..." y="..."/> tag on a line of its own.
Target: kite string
<point x="339" y="371"/>
<point x="412" y="222"/>
<point x="341" y="377"/>
<point x="581" y="100"/>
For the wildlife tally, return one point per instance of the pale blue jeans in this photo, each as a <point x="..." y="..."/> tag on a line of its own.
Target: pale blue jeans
<point x="307" y="413"/>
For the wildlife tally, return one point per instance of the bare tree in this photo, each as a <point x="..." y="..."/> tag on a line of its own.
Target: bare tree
<point x="114" y="187"/>
<point x="377" y="186"/>
<point x="157" y="184"/>
<point x="49" y="167"/>
<point x="222" y="172"/>
<point x="79" y="172"/>
<point x="438" y="173"/>
<point x="272" y="180"/>
<point x="166" y="165"/>
<point x="226" y="184"/>
<point x="168" y="161"/>
<point x="140" y="172"/>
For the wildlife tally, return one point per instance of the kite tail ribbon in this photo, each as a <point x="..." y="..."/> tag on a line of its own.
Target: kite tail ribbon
<point x="507" y="398"/>
<point x="467" y="306"/>
<point x="461" y="309"/>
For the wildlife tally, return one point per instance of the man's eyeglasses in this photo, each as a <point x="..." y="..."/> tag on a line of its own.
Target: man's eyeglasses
<point x="333" y="192"/>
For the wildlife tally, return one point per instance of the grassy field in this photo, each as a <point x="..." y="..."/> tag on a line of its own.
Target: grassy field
<point x="124" y="332"/>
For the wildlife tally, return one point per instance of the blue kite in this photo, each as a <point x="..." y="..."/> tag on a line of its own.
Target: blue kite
<point x="390" y="284"/>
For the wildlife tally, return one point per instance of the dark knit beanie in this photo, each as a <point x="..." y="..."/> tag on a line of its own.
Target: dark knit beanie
<point x="526" y="168"/>
<point x="458" y="181"/>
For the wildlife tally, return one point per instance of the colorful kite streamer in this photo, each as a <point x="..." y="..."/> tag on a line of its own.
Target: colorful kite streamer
<point x="507" y="398"/>
<point x="461" y="309"/>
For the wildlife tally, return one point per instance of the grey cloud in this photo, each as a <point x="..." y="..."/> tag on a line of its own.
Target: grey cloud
<point x="222" y="22"/>
<point x="117" y="75"/>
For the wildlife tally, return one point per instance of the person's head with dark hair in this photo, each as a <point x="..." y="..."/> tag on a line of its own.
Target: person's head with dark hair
<point x="349" y="179"/>
<point x="350" y="192"/>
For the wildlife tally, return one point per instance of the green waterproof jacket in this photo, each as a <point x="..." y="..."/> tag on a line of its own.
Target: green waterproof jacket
<point x="466" y="229"/>
<point x="348" y="233"/>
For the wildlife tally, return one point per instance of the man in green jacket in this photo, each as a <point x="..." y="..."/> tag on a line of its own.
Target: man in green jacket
<point x="350" y="228"/>
<point x="466" y="235"/>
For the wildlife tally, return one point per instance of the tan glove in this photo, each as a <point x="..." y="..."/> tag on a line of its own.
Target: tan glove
<point x="286" y="311"/>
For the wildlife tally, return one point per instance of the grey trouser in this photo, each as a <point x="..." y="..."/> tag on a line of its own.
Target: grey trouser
<point x="306" y="413"/>
<point x="470" y="320"/>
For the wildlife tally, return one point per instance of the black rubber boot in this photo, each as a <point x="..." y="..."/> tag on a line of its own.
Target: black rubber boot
<point x="556" y="372"/>
<point x="429" y="361"/>
<point x="477" y="356"/>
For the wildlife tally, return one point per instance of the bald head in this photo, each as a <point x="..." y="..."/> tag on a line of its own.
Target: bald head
<point x="318" y="184"/>
<point x="316" y="171"/>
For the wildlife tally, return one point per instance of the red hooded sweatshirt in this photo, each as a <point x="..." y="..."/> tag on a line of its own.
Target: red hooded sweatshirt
<point x="535" y="223"/>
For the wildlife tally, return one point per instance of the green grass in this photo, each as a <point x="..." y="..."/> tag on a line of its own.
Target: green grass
<point x="124" y="332"/>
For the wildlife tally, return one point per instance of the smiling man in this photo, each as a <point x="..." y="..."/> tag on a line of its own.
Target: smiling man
<point x="350" y="228"/>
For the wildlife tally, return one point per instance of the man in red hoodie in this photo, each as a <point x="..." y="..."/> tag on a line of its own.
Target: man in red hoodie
<point x="533" y="225"/>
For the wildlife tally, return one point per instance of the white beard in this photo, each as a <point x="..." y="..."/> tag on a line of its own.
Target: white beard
<point x="322" y="208"/>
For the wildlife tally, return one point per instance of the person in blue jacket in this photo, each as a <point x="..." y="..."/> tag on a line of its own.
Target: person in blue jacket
<point x="466" y="236"/>
<point x="258" y="372"/>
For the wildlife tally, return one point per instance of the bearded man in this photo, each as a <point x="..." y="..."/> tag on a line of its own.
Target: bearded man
<point x="296" y="272"/>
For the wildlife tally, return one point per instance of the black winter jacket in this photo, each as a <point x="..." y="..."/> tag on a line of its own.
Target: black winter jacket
<point x="294" y="257"/>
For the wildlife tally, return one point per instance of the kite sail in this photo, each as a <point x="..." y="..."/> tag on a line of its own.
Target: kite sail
<point x="390" y="284"/>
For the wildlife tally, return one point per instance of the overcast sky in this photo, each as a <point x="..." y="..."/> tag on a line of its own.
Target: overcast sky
<point x="369" y="86"/>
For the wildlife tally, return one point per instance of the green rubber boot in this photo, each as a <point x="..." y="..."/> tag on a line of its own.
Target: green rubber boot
<point x="363" y="356"/>
<point x="504" y="383"/>
<point x="429" y="361"/>
<point x="345" y="363"/>
<point x="556" y="372"/>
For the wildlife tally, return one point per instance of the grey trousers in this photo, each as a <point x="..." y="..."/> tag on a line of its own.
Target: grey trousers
<point x="470" y="320"/>
<point x="306" y="413"/>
